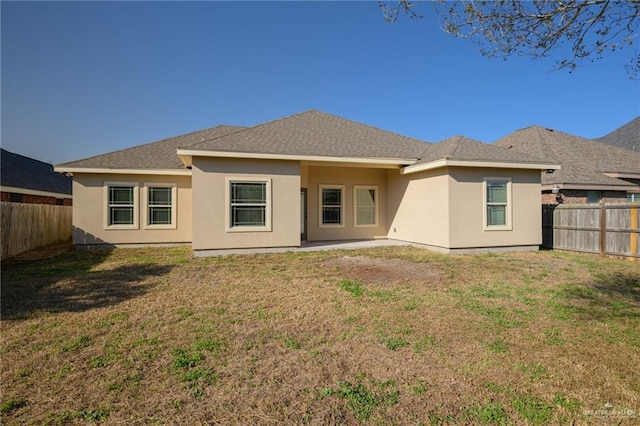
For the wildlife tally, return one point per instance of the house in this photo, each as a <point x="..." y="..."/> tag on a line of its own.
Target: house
<point x="26" y="180"/>
<point x="308" y="177"/>
<point x="627" y="136"/>
<point x="592" y="172"/>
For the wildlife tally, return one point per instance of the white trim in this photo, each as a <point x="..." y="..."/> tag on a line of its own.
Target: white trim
<point x="355" y="206"/>
<point x="622" y="175"/>
<point x="145" y="204"/>
<point x="136" y="204"/>
<point x="447" y="162"/>
<point x="342" y="206"/>
<point x="508" y="226"/>
<point x="187" y="154"/>
<point x="167" y="172"/>
<point x="268" y="207"/>
<point x="26" y="191"/>
<point x="591" y="187"/>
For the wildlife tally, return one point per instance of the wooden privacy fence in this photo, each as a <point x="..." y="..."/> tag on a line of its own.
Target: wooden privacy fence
<point x="30" y="226"/>
<point x="608" y="229"/>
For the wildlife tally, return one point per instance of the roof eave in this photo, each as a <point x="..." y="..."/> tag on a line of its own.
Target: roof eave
<point x="448" y="162"/>
<point x="187" y="157"/>
<point x="103" y="170"/>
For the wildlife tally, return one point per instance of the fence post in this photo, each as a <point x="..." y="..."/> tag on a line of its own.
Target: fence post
<point x="603" y="229"/>
<point x="634" y="225"/>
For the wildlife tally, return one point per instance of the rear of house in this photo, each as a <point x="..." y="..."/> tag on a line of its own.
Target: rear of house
<point x="308" y="177"/>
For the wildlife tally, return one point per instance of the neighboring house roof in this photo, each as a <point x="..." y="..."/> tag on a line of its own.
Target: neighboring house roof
<point x="18" y="171"/>
<point x="627" y="136"/>
<point x="584" y="161"/>
<point x="155" y="155"/>
<point x="315" y="133"/>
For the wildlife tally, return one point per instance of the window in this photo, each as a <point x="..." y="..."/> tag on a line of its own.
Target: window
<point x="366" y="205"/>
<point x="122" y="210"/>
<point x="331" y="202"/>
<point x="160" y="209"/>
<point x="497" y="203"/>
<point x="249" y="205"/>
<point x="593" y="197"/>
<point x="633" y="198"/>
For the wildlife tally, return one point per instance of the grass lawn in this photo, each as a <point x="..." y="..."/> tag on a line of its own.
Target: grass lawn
<point x="394" y="335"/>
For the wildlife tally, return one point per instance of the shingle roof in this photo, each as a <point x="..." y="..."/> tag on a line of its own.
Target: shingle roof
<point x="465" y="149"/>
<point x="23" y="172"/>
<point x="583" y="160"/>
<point x="155" y="155"/>
<point x="314" y="133"/>
<point x="627" y="136"/>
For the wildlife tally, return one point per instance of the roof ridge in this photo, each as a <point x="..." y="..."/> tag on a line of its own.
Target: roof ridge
<point x="368" y="125"/>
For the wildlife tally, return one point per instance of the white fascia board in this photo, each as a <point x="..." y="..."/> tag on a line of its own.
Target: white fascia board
<point x="622" y="175"/>
<point x="590" y="187"/>
<point x="34" y="192"/>
<point x="446" y="162"/>
<point x="165" y="172"/>
<point x="185" y="153"/>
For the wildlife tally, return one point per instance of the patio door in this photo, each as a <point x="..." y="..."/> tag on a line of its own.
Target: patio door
<point x="303" y="214"/>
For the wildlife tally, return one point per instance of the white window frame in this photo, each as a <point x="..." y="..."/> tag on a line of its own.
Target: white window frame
<point x="342" y="206"/>
<point x="146" y="206"/>
<point x="375" y="206"/>
<point x="107" y="206"/>
<point x="228" y="209"/>
<point x="508" y="209"/>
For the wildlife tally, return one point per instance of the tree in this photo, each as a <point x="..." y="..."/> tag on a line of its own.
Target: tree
<point x="591" y="28"/>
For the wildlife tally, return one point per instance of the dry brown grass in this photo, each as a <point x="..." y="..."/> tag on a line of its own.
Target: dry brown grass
<point x="383" y="336"/>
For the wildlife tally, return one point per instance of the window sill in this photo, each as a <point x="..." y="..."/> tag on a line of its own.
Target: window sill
<point x="249" y="229"/>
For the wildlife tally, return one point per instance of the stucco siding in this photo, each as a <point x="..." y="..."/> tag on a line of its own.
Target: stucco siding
<point x="418" y="207"/>
<point x="349" y="178"/>
<point x="90" y="210"/>
<point x="466" y="205"/>
<point x="211" y="177"/>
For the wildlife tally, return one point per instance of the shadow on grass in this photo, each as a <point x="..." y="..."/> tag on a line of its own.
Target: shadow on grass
<point x="67" y="283"/>
<point x="609" y="295"/>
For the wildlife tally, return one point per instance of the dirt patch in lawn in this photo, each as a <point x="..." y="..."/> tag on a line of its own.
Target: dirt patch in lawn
<point x="383" y="270"/>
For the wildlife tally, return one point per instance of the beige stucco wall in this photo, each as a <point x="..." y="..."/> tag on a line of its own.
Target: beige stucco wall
<point x="444" y="208"/>
<point x="349" y="177"/>
<point x="210" y="204"/>
<point x="418" y="207"/>
<point x="467" y="204"/>
<point x="90" y="209"/>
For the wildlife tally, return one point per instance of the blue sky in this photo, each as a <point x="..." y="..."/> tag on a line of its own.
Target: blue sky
<point x="80" y="79"/>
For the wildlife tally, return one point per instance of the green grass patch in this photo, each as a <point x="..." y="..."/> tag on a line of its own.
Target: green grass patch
<point x="498" y="346"/>
<point x="11" y="404"/>
<point x="77" y="344"/>
<point x="395" y="343"/>
<point x="532" y="409"/>
<point x="534" y="372"/>
<point x="364" y="400"/>
<point x="491" y="413"/>
<point x="354" y="287"/>
<point x="552" y="337"/>
<point x="423" y="344"/>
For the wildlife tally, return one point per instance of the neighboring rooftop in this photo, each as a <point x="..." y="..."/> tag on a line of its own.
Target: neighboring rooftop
<point x="627" y="136"/>
<point x="584" y="161"/>
<point x="18" y="171"/>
